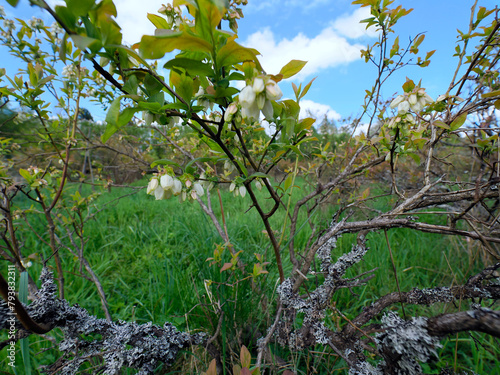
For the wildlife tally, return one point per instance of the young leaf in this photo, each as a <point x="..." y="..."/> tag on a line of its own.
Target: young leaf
<point x="306" y="88"/>
<point x="159" y="22"/>
<point x="245" y="357"/>
<point x="458" y="122"/>
<point x="292" y="68"/>
<point x="226" y="266"/>
<point x="288" y="181"/>
<point x="212" y="368"/>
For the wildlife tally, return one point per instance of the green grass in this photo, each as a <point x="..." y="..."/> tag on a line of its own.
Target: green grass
<point x="151" y="259"/>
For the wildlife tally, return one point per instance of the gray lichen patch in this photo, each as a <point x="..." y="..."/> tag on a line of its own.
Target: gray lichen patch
<point x="408" y="339"/>
<point x="121" y="344"/>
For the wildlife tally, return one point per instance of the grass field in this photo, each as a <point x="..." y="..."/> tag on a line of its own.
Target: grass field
<point x="151" y="259"/>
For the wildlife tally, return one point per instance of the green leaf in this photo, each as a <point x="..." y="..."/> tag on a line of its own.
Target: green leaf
<point x="80" y="7"/>
<point x="159" y="22"/>
<point x="415" y="157"/>
<point x="441" y="124"/>
<point x="294" y="149"/>
<point x="26" y="175"/>
<point x="305" y="123"/>
<point x="112" y="119"/>
<point x="155" y="47"/>
<point x="189" y="169"/>
<point x="292" y="68"/>
<point x="491" y="94"/>
<point x="184" y="85"/>
<point x="113" y="111"/>
<point x="13" y="2"/>
<point x="233" y="53"/>
<point x="288" y="181"/>
<point x="292" y="109"/>
<point x="258" y="174"/>
<point x="154" y="106"/>
<point x="409" y="85"/>
<point x="125" y="116"/>
<point x="164" y="162"/>
<point x="458" y="122"/>
<point x="243" y="168"/>
<point x="84" y="42"/>
<point x="66" y="16"/>
<point x="214" y="147"/>
<point x="306" y="88"/>
<point x="193" y="67"/>
<point x="62" y="48"/>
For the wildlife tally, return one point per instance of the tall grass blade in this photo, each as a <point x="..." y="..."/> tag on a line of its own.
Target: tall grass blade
<point x="23" y="297"/>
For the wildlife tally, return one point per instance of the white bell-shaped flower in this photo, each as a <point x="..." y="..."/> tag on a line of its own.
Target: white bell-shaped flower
<point x="166" y="181"/>
<point x="247" y="97"/>
<point x="177" y="187"/>
<point x="152" y="185"/>
<point x="198" y="188"/>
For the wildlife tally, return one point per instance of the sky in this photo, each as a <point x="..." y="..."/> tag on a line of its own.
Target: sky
<point x="328" y="35"/>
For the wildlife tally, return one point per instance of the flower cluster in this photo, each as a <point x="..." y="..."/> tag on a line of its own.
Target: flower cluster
<point x="253" y="98"/>
<point x="36" y="23"/>
<point x="415" y="101"/>
<point x="173" y="14"/>
<point x="56" y="29"/>
<point x="70" y="71"/>
<point x="2" y="11"/>
<point x="166" y="186"/>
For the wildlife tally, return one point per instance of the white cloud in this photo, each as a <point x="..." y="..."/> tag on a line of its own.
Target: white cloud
<point x="132" y="17"/>
<point x="326" y="50"/>
<point x="308" y="108"/>
<point x="348" y="25"/>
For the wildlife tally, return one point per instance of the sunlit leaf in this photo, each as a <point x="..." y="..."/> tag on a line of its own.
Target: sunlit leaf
<point x="292" y="68"/>
<point x="155" y="47"/>
<point x="233" y="53"/>
<point x="158" y="21"/>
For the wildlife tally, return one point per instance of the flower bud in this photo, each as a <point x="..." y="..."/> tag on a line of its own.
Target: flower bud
<point x="258" y="85"/>
<point x="273" y="92"/>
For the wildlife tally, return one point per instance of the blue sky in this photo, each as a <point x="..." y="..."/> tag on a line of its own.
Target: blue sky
<point x="328" y="35"/>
